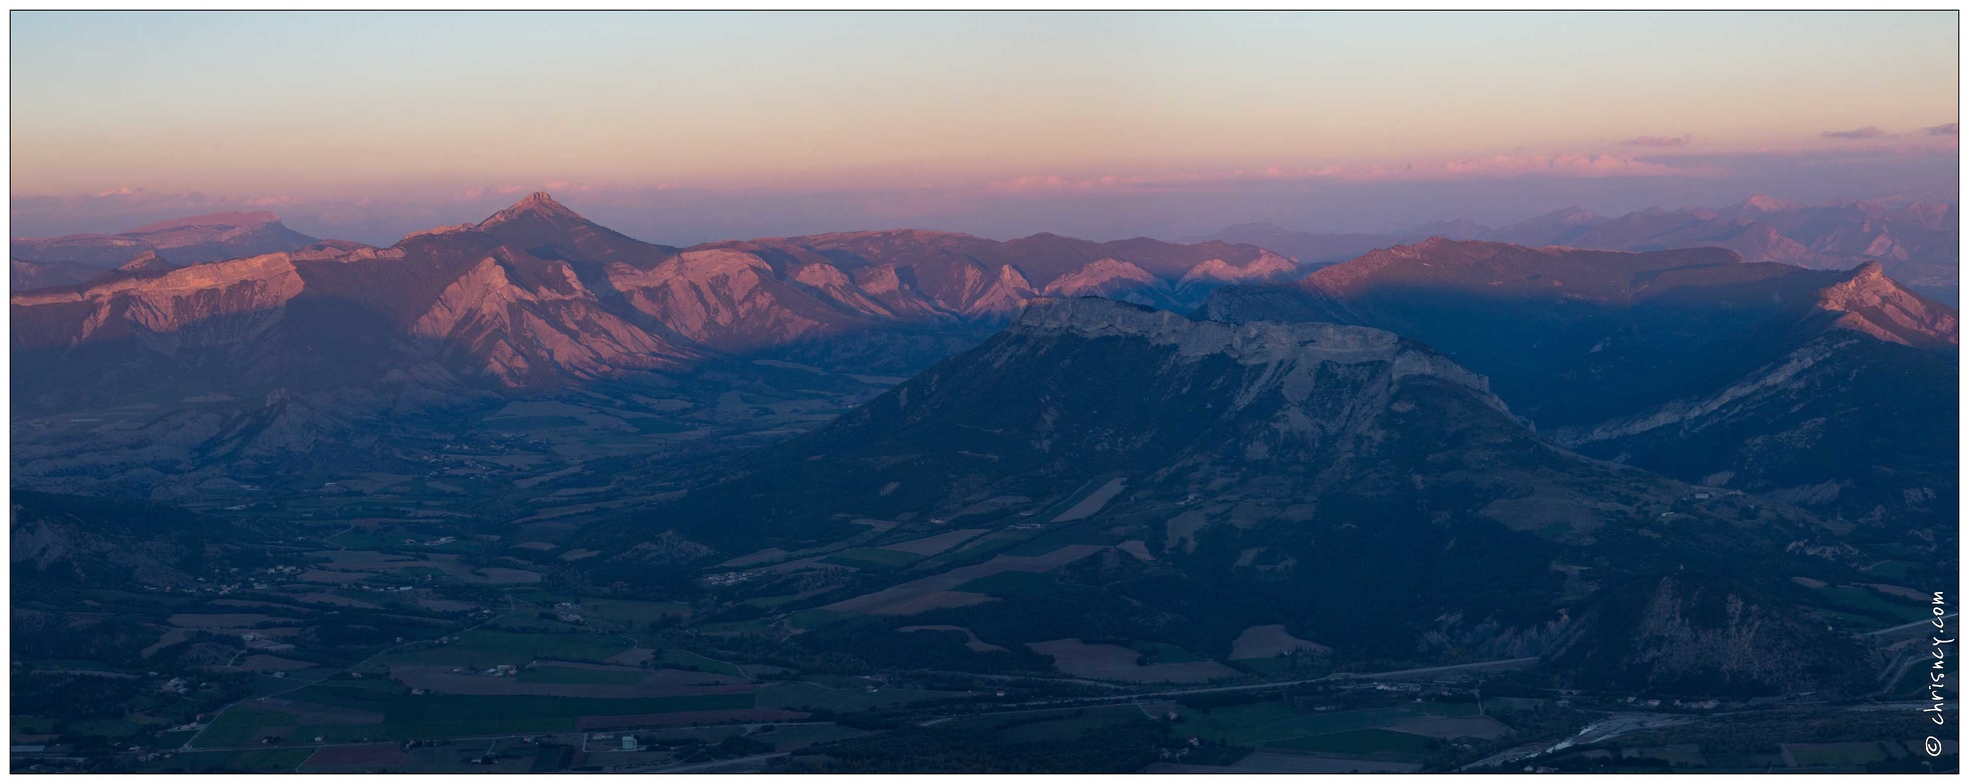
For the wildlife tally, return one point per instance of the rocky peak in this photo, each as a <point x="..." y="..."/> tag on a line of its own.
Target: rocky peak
<point x="538" y="203"/>
<point x="1267" y="266"/>
<point x="1878" y="306"/>
<point x="1101" y="271"/>
<point x="1009" y="277"/>
<point x="1007" y="293"/>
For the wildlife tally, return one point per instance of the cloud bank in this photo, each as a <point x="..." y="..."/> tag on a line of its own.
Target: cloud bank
<point x="1492" y="189"/>
<point x="1867" y="132"/>
<point x="1657" y="141"/>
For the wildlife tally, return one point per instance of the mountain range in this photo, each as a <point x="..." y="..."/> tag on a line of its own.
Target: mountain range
<point x="536" y="296"/>
<point x="1674" y="471"/>
<point x="1699" y="364"/>
<point x="1834" y="390"/>
<point x="303" y="342"/>
<point x="1916" y="242"/>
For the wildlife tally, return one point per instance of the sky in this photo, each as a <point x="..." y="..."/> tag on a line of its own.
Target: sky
<point x="688" y="127"/>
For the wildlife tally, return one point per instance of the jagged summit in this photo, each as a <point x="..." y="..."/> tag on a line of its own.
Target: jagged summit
<point x="538" y="203"/>
<point x="1877" y="305"/>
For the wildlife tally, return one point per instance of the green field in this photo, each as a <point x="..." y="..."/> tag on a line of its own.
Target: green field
<point x="1021" y="584"/>
<point x="407" y="717"/>
<point x="1872" y="603"/>
<point x="796" y="696"/>
<point x="815" y="618"/>
<point x="873" y="558"/>
<point x="692" y="660"/>
<point x="1896" y="570"/>
<point x="488" y="647"/>
<point x="633" y="612"/>
<point x="757" y="627"/>
<point x="530" y="621"/>
<point x="240" y="725"/>
<point x="1049" y="725"/>
<point x="522" y="423"/>
<point x="1278" y="665"/>
<point x="550" y="674"/>
<point x="799" y="735"/>
<point x="784" y="737"/>
<point x="172" y="740"/>
<point x="1363" y="742"/>
<point x="1271" y="723"/>
<point x="461" y="727"/>
<point x="108" y="728"/>
<point x="1164" y="653"/>
<point x="1836" y="754"/>
<point x="402" y="708"/>
<point x="256" y="760"/>
<point x="977" y="549"/>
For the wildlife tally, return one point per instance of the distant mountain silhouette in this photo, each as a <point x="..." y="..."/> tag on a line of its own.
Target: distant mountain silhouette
<point x="60" y="261"/>
<point x="1916" y="242"/>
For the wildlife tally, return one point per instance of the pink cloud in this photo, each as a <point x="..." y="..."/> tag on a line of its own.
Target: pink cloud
<point x="1942" y="130"/>
<point x="1500" y="167"/>
<point x="1568" y="165"/>
<point x="1867" y="132"/>
<point x="1055" y="182"/>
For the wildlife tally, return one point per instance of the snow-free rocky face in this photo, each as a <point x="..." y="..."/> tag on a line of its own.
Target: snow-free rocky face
<point x="537" y="295"/>
<point x="304" y="344"/>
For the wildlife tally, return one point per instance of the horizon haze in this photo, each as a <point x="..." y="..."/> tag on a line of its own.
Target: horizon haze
<point x="685" y="128"/>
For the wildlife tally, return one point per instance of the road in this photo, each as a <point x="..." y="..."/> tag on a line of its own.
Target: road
<point x="1604" y="729"/>
<point x="1903" y="627"/>
<point x="1338" y="676"/>
<point x="1624" y="723"/>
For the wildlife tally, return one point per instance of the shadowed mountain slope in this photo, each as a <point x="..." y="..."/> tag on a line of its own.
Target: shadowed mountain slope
<point x="1691" y="362"/>
<point x="1341" y="480"/>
